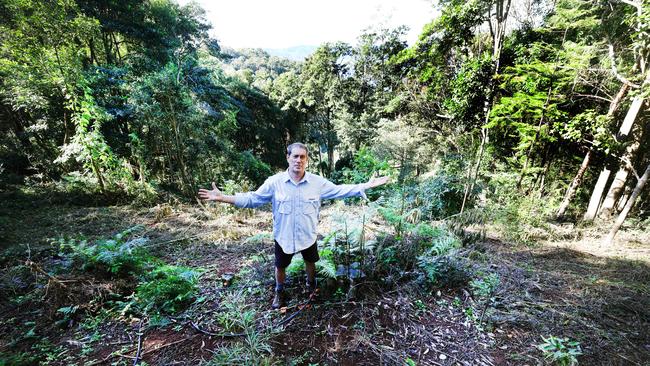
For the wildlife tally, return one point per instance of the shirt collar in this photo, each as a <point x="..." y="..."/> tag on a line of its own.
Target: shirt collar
<point x="287" y="177"/>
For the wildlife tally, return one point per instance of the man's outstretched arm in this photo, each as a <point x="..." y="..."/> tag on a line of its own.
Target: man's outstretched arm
<point x="332" y="190"/>
<point x="215" y="195"/>
<point x="376" y="182"/>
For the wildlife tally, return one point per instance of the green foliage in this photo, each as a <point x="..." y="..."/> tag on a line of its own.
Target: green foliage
<point x="518" y="217"/>
<point x="440" y="196"/>
<point x="18" y="359"/>
<point x="115" y="256"/>
<point x="163" y="289"/>
<point x="437" y="262"/>
<point x="260" y="238"/>
<point x="365" y="165"/>
<point x="67" y="312"/>
<point x="442" y="271"/>
<point x="560" y="351"/>
<point x="432" y="198"/>
<point x="253" y="348"/>
<point x="235" y="317"/>
<point x="469" y="91"/>
<point x="484" y="288"/>
<point x="167" y="289"/>
<point x="252" y="352"/>
<point x="325" y="267"/>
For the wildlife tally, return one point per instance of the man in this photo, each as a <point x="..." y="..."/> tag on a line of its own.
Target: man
<point x="295" y="195"/>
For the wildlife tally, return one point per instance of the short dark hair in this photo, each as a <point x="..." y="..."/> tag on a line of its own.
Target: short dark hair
<point x="297" y="144"/>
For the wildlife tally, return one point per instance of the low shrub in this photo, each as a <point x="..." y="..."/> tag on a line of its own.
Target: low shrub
<point x="519" y="217"/>
<point x="325" y="267"/>
<point x="115" y="256"/>
<point x="253" y="348"/>
<point x="485" y="287"/>
<point x="168" y="289"/>
<point x="560" y="351"/>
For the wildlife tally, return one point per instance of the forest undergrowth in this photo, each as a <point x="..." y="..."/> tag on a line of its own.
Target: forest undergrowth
<point x="192" y="284"/>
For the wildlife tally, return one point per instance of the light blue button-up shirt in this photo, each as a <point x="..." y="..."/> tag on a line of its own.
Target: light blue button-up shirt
<point x="296" y="206"/>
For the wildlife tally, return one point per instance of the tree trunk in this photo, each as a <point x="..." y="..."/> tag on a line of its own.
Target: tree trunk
<point x="330" y="144"/>
<point x="624" y="130"/>
<point x="618" y="185"/>
<point x="628" y="206"/>
<point x="497" y="31"/>
<point x="577" y="180"/>
<point x="470" y="187"/>
<point x="107" y="49"/>
<point x="596" y="194"/>
<point x="541" y="176"/>
<point x="98" y="174"/>
<point x="93" y="57"/>
<point x="330" y="157"/>
<point x="573" y="188"/>
<point x="117" y="47"/>
<point x="620" y="205"/>
<point x="320" y="161"/>
<point x="186" y="180"/>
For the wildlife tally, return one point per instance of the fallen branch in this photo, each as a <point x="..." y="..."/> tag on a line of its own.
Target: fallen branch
<point x="35" y="267"/>
<point x="113" y="355"/>
<point x="137" y="353"/>
<point x="168" y="344"/>
<point x="222" y="335"/>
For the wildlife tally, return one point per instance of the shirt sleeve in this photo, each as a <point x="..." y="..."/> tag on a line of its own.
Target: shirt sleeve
<point x="264" y="194"/>
<point x="332" y="191"/>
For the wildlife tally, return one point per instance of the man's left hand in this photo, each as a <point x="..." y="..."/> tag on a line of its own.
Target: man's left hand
<point x="376" y="182"/>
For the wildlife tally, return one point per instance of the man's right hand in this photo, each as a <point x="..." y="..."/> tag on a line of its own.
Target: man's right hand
<point x="210" y="195"/>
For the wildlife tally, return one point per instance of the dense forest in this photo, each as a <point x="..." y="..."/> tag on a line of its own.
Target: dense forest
<point x="505" y="125"/>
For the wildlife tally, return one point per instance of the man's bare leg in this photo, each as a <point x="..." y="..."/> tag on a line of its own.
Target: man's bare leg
<point x="310" y="268"/>
<point x="279" y="299"/>
<point x="280" y="276"/>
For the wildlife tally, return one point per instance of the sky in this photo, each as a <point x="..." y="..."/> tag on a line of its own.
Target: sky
<point x="288" y="23"/>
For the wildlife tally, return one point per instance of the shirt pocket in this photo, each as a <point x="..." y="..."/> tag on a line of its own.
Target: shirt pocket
<point x="284" y="206"/>
<point x="310" y="205"/>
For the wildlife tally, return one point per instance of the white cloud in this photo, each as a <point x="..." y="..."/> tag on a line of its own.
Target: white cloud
<point x="286" y="23"/>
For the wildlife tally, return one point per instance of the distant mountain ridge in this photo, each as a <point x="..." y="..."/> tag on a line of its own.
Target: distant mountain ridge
<point x="296" y="53"/>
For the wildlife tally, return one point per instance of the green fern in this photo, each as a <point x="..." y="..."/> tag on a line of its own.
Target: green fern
<point x="443" y="245"/>
<point x="168" y="290"/>
<point x="326" y="266"/>
<point x="115" y="255"/>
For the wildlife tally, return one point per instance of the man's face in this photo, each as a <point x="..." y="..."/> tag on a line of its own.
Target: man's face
<point x="297" y="161"/>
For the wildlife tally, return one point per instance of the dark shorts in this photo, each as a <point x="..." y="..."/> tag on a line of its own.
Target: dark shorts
<point x="282" y="259"/>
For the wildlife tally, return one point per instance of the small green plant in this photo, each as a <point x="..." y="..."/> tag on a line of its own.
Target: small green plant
<point x="17" y="359"/>
<point x="168" y="289"/>
<point x="325" y="266"/>
<point x="68" y="312"/>
<point x="420" y="306"/>
<point x="438" y="263"/>
<point x="561" y="351"/>
<point x="484" y="288"/>
<point x="235" y="317"/>
<point x="260" y="238"/>
<point x="116" y="255"/>
<point x="456" y="302"/>
<point x="254" y="347"/>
